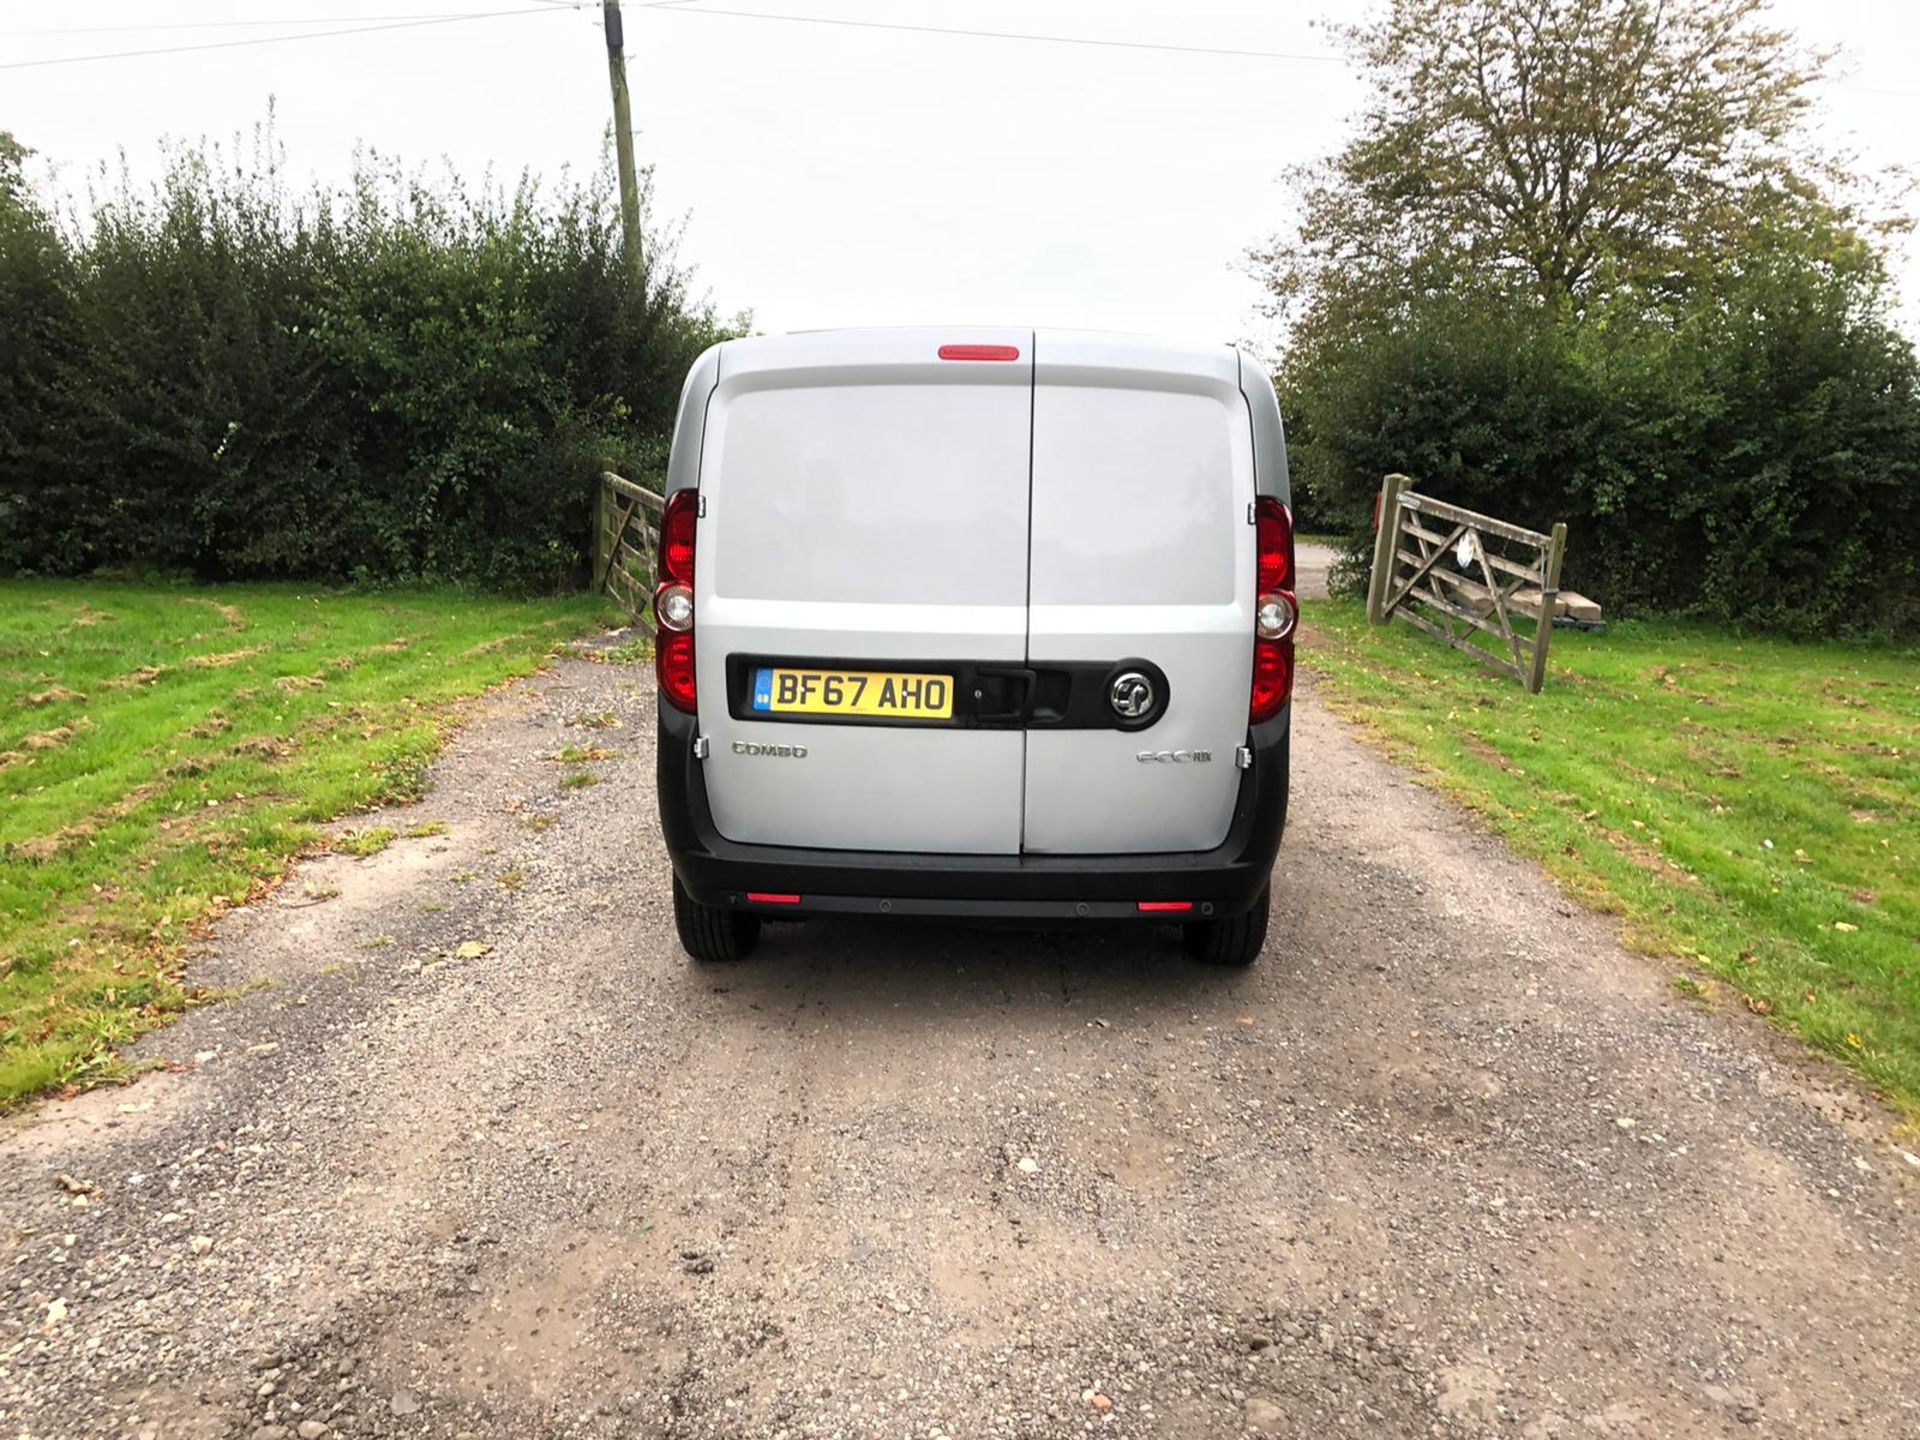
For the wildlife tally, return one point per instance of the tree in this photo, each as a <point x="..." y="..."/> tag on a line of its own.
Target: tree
<point x="1570" y="147"/>
<point x="1579" y="263"/>
<point x="13" y="162"/>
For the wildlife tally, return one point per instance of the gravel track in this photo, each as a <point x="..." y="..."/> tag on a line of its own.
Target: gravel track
<point x="1447" y="1161"/>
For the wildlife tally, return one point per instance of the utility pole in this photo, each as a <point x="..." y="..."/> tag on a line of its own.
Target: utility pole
<point x="623" y="141"/>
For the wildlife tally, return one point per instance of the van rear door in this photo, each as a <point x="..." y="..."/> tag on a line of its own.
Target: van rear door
<point x="1142" y="548"/>
<point x="864" y="513"/>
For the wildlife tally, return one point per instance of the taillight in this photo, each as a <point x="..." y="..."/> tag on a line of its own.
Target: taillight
<point x="1275" y="610"/>
<point x="676" y="536"/>
<point x="673" y="601"/>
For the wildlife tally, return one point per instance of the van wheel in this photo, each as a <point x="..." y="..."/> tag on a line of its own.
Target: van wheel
<point x="1233" y="941"/>
<point x="710" y="934"/>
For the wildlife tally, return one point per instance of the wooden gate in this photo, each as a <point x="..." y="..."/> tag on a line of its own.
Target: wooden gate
<point x="1469" y="575"/>
<point x="626" y="542"/>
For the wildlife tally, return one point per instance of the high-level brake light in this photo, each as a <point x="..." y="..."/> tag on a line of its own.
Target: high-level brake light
<point x="979" y="352"/>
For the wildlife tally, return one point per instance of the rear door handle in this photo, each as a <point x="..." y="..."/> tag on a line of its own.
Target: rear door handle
<point x="990" y="679"/>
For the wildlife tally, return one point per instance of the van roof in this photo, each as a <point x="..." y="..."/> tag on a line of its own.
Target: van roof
<point x="1132" y="339"/>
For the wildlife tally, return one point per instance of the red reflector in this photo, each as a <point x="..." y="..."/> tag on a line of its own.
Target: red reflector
<point x="1272" y="678"/>
<point x="673" y="667"/>
<point x="1152" y="906"/>
<point x="979" y="352"/>
<point x="760" y="899"/>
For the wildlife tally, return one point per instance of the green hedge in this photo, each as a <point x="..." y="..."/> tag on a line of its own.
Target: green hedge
<point x="1753" y="457"/>
<point x="402" y="381"/>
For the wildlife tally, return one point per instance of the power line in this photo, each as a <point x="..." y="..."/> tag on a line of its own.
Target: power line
<point x="1003" y="34"/>
<point x="412" y="24"/>
<point x="239" y="24"/>
<point x="684" y="7"/>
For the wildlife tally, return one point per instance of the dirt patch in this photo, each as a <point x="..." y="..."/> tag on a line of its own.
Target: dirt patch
<point x="45" y="847"/>
<point x="53" y="695"/>
<point x="225" y="658"/>
<point x="266" y="747"/>
<point x="85" y="615"/>
<point x="1480" y="750"/>
<point x="145" y="675"/>
<point x="230" y="615"/>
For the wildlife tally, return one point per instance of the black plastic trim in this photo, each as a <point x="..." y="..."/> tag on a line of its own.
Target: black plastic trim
<point x="718" y="871"/>
<point x="988" y="694"/>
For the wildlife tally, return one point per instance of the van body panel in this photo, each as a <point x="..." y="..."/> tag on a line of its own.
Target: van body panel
<point x="690" y="421"/>
<point x="1269" y="441"/>
<point x="1143" y="475"/>
<point x="864" y="500"/>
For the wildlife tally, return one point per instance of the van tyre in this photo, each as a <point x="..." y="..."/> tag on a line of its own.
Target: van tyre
<point x="712" y="934"/>
<point x="1233" y="941"/>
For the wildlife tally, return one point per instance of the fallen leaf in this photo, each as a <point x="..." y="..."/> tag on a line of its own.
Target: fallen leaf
<point x="1844" y="928"/>
<point x="1759" y="1006"/>
<point x="472" y="949"/>
<point x="1854" y="1040"/>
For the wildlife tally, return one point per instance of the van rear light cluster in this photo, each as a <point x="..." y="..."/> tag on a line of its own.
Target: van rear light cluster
<point x="1275" y="610"/>
<point x="673" y="601"/>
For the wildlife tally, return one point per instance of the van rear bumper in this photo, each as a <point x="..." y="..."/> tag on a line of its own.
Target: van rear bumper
<point x="1225" y="880"/>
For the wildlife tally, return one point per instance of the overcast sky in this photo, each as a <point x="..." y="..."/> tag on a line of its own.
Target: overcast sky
<point x="832" y="174"/>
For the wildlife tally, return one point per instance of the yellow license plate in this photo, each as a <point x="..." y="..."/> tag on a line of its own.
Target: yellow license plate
<point x="877" y="694"/>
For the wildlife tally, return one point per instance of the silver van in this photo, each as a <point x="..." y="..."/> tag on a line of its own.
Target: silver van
<point x="984" y="624"/>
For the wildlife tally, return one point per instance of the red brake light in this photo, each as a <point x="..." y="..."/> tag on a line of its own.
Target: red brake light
<point x="1150" y="907"/>
<point x="1273" y="595"/>
<point x="677" y="527"/>
<point x="979" y="352"/>
<point x="760" y="897"/>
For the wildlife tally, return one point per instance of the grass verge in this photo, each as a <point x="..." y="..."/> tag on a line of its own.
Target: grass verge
<point x="1747" y="806"/>
<point x="165" y="751"/>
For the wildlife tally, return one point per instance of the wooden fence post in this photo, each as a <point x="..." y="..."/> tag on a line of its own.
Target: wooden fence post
<point x="1549" y="593"/>
<point x="602" y="538"/>
<point x="1386" y="541"/>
